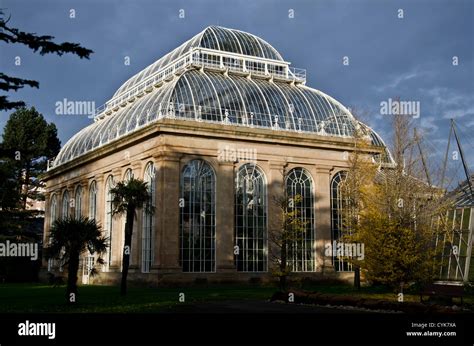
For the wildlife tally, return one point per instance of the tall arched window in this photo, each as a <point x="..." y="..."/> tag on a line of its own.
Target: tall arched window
<point x="301" y="253"/>
<point x="78" y="202"/>
<point x="93" y="200"/>
<point x="148" y="220"/>
<point x="251" y="219"/>
<point x="197" y="217"/>
<point x="65" y="205"/>
<point x="108" y="225"/>
<point x="337" y="227"/>
<point x="128" y="175"/>
<point x="53" y="213"/>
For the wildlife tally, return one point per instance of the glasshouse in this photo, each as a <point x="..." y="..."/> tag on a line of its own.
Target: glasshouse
<point x="219" y="128"/>
<point x="457" y="258"/>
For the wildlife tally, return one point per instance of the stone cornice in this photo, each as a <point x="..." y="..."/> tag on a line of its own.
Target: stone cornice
<point x="323" y="169"/>
<point x="179" y="127"/>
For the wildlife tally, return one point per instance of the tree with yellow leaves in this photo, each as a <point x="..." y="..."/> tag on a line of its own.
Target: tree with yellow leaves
<point x="391" y="211"/>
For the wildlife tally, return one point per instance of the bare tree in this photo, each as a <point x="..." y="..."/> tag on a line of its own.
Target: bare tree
<point x="283" y="240"/>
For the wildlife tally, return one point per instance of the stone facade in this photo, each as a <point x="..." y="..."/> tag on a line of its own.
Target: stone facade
<point x="169" y="144"/>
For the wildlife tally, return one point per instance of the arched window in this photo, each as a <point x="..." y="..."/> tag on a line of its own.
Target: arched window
<point x="53" y="213"/>
<point x="148" y="220"/>
<point x="197" y="217"/>
<point x="301" y="253"/>
<point x="109" y="218"/>
<point x="78" y="202"/>
<point x="128" y="175"/>
<point x="337" y="228"/>
<point x="65" y="205"/>
<point x="93" y="200"/>
<point x="251" y="219"/>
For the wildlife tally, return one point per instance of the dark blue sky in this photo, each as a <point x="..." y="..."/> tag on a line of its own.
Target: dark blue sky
<point x="388" y="56"/>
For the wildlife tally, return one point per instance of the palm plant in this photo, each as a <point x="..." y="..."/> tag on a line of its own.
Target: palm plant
<point x="70" y="237"/>
<point x="127" y="197"/>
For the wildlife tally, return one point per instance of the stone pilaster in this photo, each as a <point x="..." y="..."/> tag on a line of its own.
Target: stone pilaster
<point x="167" y="211"/>
<point x="117" y="231"/>
<point x="100" y="198"/>
<point x="275" y="191"/>
<point x="47" y="212"/>
<point x="225" y="217"/>
<point x="47" y="225"/>
<point x="135" y="254"/>
<point x="101" y="203"/>
<point x="85" y="198"/>
<point x="322" y="177"/>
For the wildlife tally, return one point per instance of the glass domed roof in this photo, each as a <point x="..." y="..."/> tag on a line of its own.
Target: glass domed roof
<point x="226" y="98"/>
<point x="212" y="37"/>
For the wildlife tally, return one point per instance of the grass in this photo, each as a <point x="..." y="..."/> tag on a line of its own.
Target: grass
<point x="40" y="298"/>
<point x="373" y="292"/>
<point x="37" y="298"/>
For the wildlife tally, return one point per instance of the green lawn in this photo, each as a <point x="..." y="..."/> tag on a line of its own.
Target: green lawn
<point x="43" y="298"/>
<point x="25" y="298"/>
<point x="378" y="292"/>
